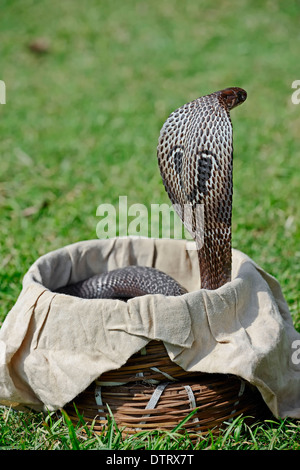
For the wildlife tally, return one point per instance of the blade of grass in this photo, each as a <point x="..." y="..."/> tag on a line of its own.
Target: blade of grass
<point x="72" y="433"/>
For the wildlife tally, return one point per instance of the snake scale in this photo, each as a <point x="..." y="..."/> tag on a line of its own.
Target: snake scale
<point x="195" y="158"/>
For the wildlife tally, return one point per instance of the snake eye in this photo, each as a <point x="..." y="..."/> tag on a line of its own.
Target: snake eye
<point x="241" y="96"/>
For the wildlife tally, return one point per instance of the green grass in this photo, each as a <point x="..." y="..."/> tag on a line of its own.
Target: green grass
<point x="81" y="124"/>
<point x="30" y="431"/>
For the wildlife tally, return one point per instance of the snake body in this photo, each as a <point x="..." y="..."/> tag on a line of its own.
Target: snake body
<point x="125" y="283"/>
<point x="195" y="157"/>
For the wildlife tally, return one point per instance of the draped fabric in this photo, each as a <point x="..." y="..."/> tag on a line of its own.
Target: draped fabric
<point x="53" y="346"/>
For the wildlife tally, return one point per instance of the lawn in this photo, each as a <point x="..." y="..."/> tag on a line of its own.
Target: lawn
<point x="83" y="114"/>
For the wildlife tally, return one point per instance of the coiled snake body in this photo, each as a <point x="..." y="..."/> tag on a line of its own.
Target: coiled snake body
<point x="195" y="156"/>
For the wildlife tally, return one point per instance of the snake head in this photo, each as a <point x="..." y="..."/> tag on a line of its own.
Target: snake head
<point x="232" y="97"/>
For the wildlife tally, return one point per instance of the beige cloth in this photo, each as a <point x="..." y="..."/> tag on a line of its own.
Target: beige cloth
<point x="53" y="346"/>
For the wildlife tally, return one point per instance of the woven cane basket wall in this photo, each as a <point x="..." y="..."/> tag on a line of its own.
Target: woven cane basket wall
<point x="150" y="392"/>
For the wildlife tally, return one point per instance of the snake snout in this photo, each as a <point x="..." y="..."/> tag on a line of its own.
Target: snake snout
<point x="241" y="96"/>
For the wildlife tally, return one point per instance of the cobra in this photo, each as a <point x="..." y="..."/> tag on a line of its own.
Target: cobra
<point x="195" y="158"/>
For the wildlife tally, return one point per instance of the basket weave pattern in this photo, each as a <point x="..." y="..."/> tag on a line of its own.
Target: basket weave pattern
<point x="151" y="392"/>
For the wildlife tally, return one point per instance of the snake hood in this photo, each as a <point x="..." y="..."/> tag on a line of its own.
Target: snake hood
<point x="195" y="154"/>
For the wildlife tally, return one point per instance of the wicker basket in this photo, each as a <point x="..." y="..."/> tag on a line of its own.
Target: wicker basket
<point x="150" y="392"/>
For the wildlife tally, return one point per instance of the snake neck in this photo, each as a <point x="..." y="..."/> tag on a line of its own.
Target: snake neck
<point x="215" y="253"/>
<point x="212" y="233"/>
<point x="215" y="258"/>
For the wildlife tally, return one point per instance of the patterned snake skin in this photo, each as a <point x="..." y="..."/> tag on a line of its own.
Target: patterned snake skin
<point x="125" y="283"/>
<point x="195" y="154"/>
